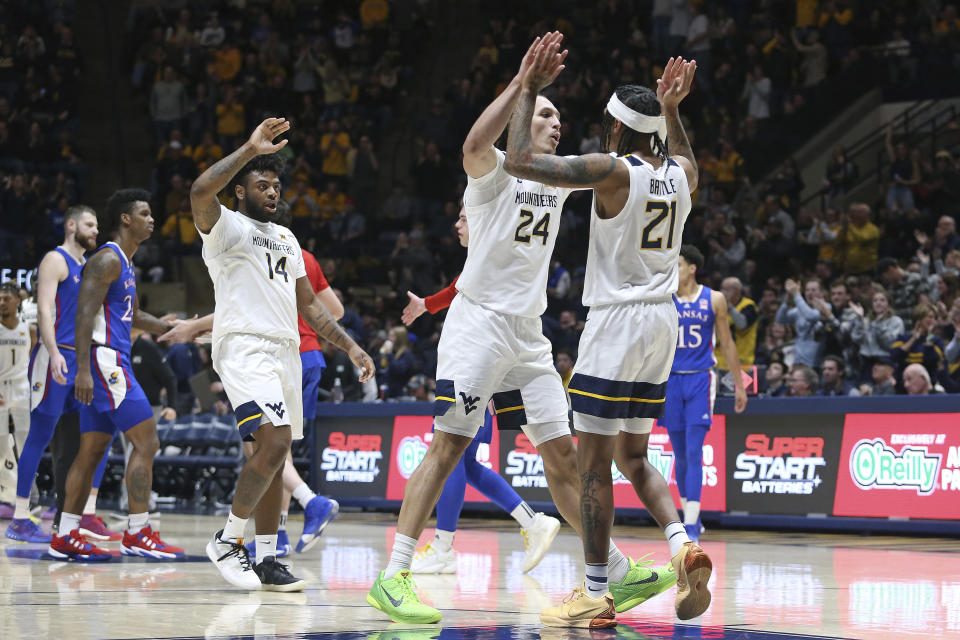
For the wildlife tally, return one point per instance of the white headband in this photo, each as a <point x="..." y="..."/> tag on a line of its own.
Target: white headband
<point x="637" y="121"/>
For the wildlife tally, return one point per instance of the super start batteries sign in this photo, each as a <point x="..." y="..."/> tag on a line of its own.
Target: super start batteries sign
<point x="900" y="465"/>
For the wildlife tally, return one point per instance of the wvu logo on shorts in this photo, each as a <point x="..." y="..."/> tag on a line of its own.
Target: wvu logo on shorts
<point x="277" y="408"/>
<point x="37" y="386"/>
<point x="469" y="404"/>
<point x="114" y="377"/>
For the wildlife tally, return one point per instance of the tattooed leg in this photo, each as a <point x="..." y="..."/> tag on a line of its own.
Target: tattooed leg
<point x="596" y="494"/>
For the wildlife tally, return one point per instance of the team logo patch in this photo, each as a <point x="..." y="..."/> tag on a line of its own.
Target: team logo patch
<point x="37" y="386"/>
<point x="114" y="377"/>
<point x="277" y="408"/>
<point x="704" y="304"/>
<point x="469" y="403"/>
<point x="76" y="278"/>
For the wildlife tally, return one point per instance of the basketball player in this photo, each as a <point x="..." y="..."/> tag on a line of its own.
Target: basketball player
<point x="493" y="345"/>
<point x="53" y="368"/>
<point x="538" y="529"/>
<point x="260" y="285"/>
<point x="14" y="389"/>
<point x="107" y="309"/>
<point x="318" y="511"/>
<point x="640" y="203"/>
<point x="692" y="385"/>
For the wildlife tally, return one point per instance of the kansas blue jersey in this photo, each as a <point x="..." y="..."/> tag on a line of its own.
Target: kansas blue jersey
<point x="111" y="328"/>
<point x="65" y="321"/>
<point x="695" y="340"/>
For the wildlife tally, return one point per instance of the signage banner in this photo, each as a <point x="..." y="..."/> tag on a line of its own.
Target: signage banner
<point x="785" y="464"/>
<point x="900" y="465"/>
<point x="352" y="461"/>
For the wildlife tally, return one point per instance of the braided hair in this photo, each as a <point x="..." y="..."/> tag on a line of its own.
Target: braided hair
<point x="643" y="101"/>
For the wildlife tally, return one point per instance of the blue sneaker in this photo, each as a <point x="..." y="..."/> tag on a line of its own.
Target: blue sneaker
<point x="26" y="530"/>
<point x="693" y="532"/>
<point x="283" y="545"/>
<point x="319" y="513"/>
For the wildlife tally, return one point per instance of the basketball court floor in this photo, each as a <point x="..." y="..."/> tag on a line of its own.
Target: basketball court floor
<point x="765" y="585"/>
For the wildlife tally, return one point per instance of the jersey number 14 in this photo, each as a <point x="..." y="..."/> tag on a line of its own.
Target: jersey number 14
<point x="280" y="268"/>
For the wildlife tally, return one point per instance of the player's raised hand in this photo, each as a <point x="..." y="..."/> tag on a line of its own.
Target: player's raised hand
<point x="416" y="308"/>
<point x="547" y="38"/>
<point x="360" y="358"/>
<point x="263" y="136"/>
<point x="547" y="63"/>
<point x="674" y="85"/>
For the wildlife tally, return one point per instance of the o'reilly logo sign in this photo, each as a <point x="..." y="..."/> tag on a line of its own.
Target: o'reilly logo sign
<point x="875" y="465"/>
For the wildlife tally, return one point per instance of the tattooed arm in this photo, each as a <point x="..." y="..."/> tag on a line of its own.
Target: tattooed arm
<point x="149" y="322"/>
<point x="102" y="270"/>
<point x="203" y="193"/>
<point x="313" y="311"/>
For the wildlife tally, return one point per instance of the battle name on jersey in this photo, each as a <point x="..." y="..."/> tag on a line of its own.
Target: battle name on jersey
<point x="662" y="187"/>
<point x="536" y="199"/>
<point x="272" y="245"/>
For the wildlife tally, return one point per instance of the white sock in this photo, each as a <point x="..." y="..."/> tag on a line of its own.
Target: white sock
<point x="303" y="494"/>
<point x="617" y="564"/>
<point x="691" y="512"/>
<point x="137" y="521"/>
<point x="21" y="508"/>
<point x="283" y="521"/>
<point x="444" y="540"/>
<point x="233" y="530"/>
<point x="596" y="579"/>
<point x="676" y="537"/>
<point x="68" y="522"/>
<point x="91" y="506"/>
<point x="266" y="547"/>
<point x="402" y="555"/>
<point x="524" y="515"/>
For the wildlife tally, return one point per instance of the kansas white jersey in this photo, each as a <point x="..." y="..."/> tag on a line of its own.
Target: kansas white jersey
<point x="634" y="256"/>
<point x="254" y="267"/>
<point x="14" y="364"/>
<point x="513" y="228"/>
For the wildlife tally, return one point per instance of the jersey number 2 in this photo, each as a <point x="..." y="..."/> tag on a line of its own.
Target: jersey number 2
<point x="664" y="209"/>
<point x="128" y="314"/>
<point x="540" y="230"/>
<point x="280" y="269"/>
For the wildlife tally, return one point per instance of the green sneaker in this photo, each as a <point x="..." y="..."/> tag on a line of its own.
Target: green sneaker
<point x="641" y="583"/>
<point x="396" y="598"/>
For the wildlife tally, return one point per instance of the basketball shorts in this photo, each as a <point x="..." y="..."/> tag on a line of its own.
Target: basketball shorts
<point x="690" y="399"/>
<point x="263" y="380"/>
<point x="485" y="354"/>
<point x="119" y="402"/>
<point x="313" y="364"/>
<point x="620" y="380"/>
<point x="47" y="396"/>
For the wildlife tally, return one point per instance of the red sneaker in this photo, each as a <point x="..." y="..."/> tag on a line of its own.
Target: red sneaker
<point x="74" y="546"/>
<point x="92" y="526"/>
<point x="146" y="543"/>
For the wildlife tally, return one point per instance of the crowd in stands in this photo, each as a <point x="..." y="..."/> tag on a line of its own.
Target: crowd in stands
<point x="828" y="296"/>
<point x="41" y="170"/>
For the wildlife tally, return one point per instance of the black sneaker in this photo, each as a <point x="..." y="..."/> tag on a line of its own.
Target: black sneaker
<point x="275" y="576"/>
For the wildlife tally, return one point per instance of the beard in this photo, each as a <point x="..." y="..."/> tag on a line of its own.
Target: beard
<point x="87" y="242"/>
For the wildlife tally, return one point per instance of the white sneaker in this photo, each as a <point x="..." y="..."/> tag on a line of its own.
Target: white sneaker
<point x="537" y="538"/>
<point x="429" y="559"/>
<point x="233" y="561"/>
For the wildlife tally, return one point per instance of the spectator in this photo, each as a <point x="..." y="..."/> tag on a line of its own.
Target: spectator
<point x="231" y="118"/>
<point x="813" y="67"/>
<point x="834" y="381"/>
<point x="213" y="32"/>
<point x="591" y="143"/>
<point x="882" y="382"/>
<point x="743" y="320"/>
<point x="945" y="238"/>
<point x="839" y="322"/>
<point x="841" y="175"/>
<point x="303" y="199"/>
<point x="776" y="380"/>
<point x="907" y="289"/>
<point x="558" y="282"/>
<point x="825" y="235"/>
<point x="364" y="174"/>
<point x="875" y="334"/>
<point x="904" y="174"/>
<point x="155" y="376"/>
<point x="564" y="362"/>
<point x="756" y="93"/>
<point x="334" y="146"/>
<point x="332" y="201"/>
<point x="806" y="316"/>
<point x="862" y="240"/>
<point x="397" y="362"/>
<point x="180" y="227"/>
<point x="168" y="104"/>
<point x="803" y="381"/>
<point x="777" y="345"/>
<point x="916" y="381"/>
<point x="773" y="211"/>
<point x="728" y="255"/>
<point x="921" y="346"/>
<point x="207" y="152"/>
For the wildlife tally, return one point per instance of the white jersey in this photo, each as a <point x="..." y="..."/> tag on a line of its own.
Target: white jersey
<point x="513" y="228"/>
<point x="254" y="267"/>
<point x="28" y="312"/>
<point x="14" y="363"/>
<point x="634" y="256"/>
